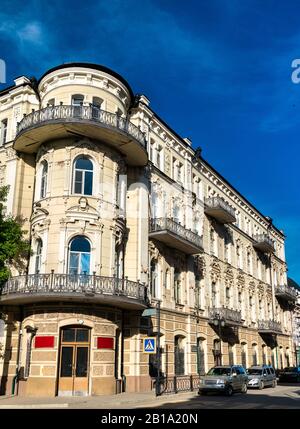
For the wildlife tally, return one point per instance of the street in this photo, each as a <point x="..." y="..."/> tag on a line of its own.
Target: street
<point x="284" y="396"/>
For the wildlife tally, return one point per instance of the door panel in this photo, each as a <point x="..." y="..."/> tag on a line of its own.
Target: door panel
<point x="81" y="370"/>
<point x="66" y="370"/>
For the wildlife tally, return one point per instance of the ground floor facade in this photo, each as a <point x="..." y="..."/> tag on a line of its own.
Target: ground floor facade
<point x="72" y="349"/>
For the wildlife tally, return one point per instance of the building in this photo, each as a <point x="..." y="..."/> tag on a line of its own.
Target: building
<point x="296" y="320"/>
<point x="122" y="213"/>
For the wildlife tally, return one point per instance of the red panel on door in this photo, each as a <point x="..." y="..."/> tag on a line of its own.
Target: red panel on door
<point x="105" y="343"/>
<point x="44" y="341"/>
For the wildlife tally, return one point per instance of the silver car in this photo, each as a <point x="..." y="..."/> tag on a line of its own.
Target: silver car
<point x="261" y="376"/>
<point x="224" y="379"/>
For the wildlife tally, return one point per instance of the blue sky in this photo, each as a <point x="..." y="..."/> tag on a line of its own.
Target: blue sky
<point x="218" y="71"/>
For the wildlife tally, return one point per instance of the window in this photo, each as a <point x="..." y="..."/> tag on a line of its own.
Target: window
<point x="77" y="102"/>
<point x="154" y="279"/>
<point x="244" y="355"/>
<point x="180" y="172"/>
<point x="38" y="256"/>
<point x="228" y="297"/>
<point x="176" y="213"/>
<point x="83" y="176"/>
<point x="97" y="102"/>
<point x="119" y="261"/>
<point x="198" y="292"/>
<point x="79" y="255"/>
<point x="264" y="354"/>
<point x="214" y="295"/>
<point x="3" y="131"/>
<point x="200" y="357"/>
<point x="217" y="353"/>
<point x="151" y="150"/>
<point x="159" y="158"/>
<point x="254" y="354"/>
<point x="179" y="355"/>
<point x="212" y="241"/>
<point x="44" y="180"/>
<point x="230" y="354"/>
<point x="96" y="106"/>
<point x="51" y="102"/>
<point x="177" y="287"/>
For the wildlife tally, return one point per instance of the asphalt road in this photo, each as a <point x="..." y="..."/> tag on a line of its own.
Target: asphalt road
<point x="281" y="397"/>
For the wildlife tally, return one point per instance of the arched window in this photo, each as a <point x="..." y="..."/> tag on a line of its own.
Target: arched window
<point x="244" y="355"/>
<point x="230" y="354"/>
<point x="79" y="255"/>
<point x="254" y="354"/>
<point x="44" y="180"/>
<point x="38" y="256"/>
<point x="83" y="176"/>
<point x="179" y="355"/>
<point x="177" y="286"/>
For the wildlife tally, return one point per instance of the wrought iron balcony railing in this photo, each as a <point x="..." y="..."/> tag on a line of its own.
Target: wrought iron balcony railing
<point x="72" y="285"/>
<point x="229" y="316"/>
<point x="219" y="209"/>
<point x="286" y="292"/>
<point x="264" y="243"/>
<point x="87" y="113"/>
<point x="175" y="235"/>
<point x="269" y="326"/>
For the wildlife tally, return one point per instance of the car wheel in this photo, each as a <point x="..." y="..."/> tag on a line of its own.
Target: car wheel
<point x="274" y="383"/>
<point x="261" y="385"/>
<point x="244" y="388"/>
<point x="229" y="391"/>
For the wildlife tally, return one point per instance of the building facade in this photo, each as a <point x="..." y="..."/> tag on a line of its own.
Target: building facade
<point x="122" y="213"/>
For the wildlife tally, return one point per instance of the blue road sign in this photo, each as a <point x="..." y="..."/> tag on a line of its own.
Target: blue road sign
<point x="149" y="345"/>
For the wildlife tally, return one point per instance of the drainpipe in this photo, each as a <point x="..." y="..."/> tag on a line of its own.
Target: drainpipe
<point x="123" y="377"/>
<point x="16" y="377"/>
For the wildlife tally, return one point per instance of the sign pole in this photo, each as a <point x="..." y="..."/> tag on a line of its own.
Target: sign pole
<point x="157" y="386"/>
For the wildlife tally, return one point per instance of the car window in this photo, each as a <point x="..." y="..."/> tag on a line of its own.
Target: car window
<point x="219" y="371"/>
<point x="268" y="371"/>
<point x="272" y="371"/>
<point x="240" y="370"/>
<point x="254" y="371"/>
<point x="265" y="372"/>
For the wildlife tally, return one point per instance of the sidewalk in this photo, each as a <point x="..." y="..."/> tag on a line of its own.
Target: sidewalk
<point x="122" y="400"/>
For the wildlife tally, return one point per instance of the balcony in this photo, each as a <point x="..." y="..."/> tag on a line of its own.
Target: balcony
<point x="219" y="209"/>
<point x="263" y="243"/>
<point x="286" y="292"/>
<point x="268" y="327"/>
<point x="55" y="122"/>
<point x="74" y="288"/>
<point x="228" y="316"/>
<point x="175" y="235"/>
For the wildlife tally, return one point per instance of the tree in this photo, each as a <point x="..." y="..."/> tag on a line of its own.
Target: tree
<point x="14" y="248"/>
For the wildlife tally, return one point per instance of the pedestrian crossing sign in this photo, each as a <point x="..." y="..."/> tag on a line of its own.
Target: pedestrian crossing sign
<point x="149" y="345"/>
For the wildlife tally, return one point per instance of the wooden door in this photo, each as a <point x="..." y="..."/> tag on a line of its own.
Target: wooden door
<point x="74" y="361"/>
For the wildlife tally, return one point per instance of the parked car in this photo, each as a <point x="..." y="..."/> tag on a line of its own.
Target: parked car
<point x="225" y="379"/>
<point x="291" y="373"/>
<point x="260" y="376"/>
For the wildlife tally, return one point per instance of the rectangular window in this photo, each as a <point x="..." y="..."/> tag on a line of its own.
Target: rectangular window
<point x="159" y="157"/>
<point x="3" y="131"/>
<point x="180" y="173"/>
